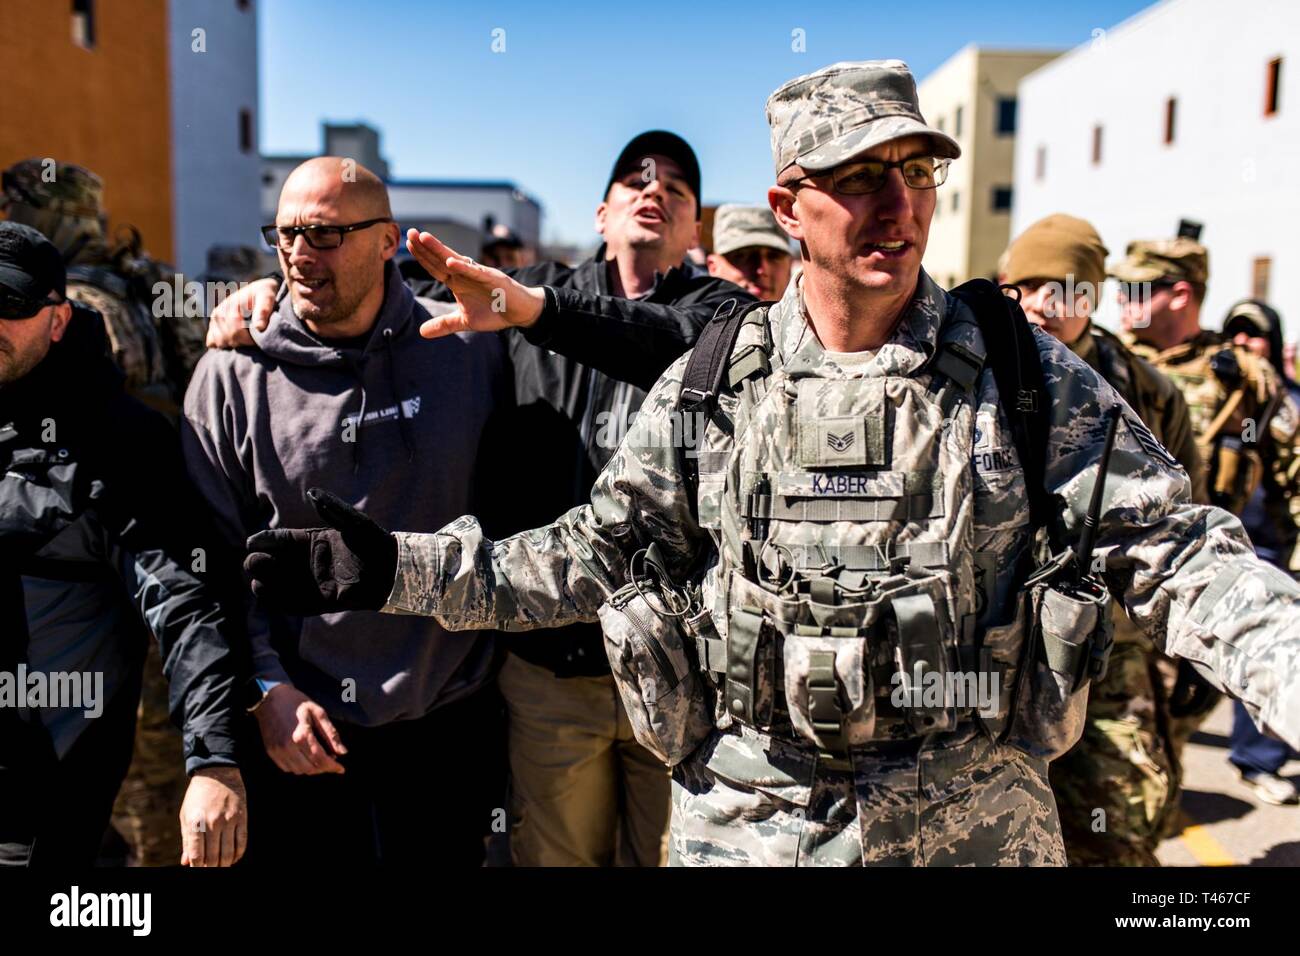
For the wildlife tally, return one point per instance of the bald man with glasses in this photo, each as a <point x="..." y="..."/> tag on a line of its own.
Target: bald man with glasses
<point x="371" y="726"/>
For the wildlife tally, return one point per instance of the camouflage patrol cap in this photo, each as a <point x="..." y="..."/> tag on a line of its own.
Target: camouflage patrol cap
<point x="737" y="227"/>
<point x="1164" y="260"/>
<point x="841" y="111"/>
<point x="59" y="187"/>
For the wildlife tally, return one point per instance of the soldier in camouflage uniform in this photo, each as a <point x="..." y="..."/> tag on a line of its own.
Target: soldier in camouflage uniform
<point x="156" y="354"/>
<point x="858" y="465"/>
<point x="750" y="250"/>
<point x="1116" y="787"/>
<point x="1247" y="427"/>
<point x="63" y="201"/>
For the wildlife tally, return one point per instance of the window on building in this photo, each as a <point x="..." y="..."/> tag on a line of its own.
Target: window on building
<point x="1260" y="270"/>
<point x="245" y="131"/>
<point x="1040" y="163"/>
<point x="1171" y="113"/>
<point x="83" y="23"/>
<point x="956" y="200"/>
<point x="1001" y="198"/>
<point x="1274" y="87"/>
<point x="1006" y="115"/>
<point x="1096" y="145"/>
<point x="939" y="125"/>
<point x="956" y="123"/>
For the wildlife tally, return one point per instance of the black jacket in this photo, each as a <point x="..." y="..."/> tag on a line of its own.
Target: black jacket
<point x="579" y="374"/>
<point x="98" y="518"/>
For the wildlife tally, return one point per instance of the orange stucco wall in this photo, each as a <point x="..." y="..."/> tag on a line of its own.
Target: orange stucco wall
<point x="108" y="108"/>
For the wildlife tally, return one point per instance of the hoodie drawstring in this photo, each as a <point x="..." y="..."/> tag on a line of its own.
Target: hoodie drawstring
<point x="397" y="401"/>
<point x="361" y="417"/>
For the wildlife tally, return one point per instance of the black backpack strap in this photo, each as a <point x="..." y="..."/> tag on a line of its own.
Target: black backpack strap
<point x="1012" y="355"/>
<point x="702" y="380"/>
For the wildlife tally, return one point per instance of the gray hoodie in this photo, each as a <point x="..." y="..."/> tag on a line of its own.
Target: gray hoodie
<point x="393" y="429"/>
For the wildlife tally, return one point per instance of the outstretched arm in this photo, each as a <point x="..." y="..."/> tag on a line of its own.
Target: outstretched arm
<point x="1185" y="573"/>
<point x="629" y="340"/>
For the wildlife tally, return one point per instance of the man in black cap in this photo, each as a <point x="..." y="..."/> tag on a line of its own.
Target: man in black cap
<point x="503" y="249"/>
<point x="1256" y="326"/>
<point x="584" y="342"/>
<point x="98" y="534"/>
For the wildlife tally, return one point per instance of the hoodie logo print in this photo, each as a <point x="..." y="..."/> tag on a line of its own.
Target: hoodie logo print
<point x="840" y="443"/>
<point x="407" y="408"/>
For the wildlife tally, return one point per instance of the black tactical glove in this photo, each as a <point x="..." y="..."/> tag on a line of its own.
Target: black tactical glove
<point x="1192" y="695"/>
<point x="348" y="566"/>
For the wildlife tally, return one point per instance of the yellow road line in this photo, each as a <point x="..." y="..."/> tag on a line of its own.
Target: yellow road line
<point x="1207" y="850"/>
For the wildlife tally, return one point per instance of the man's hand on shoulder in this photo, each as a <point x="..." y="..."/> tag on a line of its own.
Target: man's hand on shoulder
<point x="487" y="299"/>
<point x="250" y="307"/>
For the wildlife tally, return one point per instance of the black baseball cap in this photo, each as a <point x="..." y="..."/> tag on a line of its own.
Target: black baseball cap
<point x="30" y="265"/>
<point x="662" y="143"/>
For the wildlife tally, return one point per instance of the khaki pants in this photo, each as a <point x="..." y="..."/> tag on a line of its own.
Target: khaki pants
<point x="584" y="792"/>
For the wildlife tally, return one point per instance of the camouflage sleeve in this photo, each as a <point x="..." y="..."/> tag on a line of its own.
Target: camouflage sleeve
<point x="562" y="573"/>
<point x="1185" y="573"/>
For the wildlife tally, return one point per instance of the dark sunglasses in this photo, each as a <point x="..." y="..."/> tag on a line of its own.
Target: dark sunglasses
<point x="318" y="237"/>
<point x="15" y="306"/>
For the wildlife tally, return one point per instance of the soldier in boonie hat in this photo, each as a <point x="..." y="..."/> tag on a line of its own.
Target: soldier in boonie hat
<point x="60" y="200"/>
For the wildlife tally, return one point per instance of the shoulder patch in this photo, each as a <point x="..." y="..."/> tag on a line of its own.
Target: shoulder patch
<point x="1148" y="441"/>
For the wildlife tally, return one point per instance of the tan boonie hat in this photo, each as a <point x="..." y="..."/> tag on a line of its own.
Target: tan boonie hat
<point x="1164" y="260"/>
<point x="737" y="227"/>
<point x="60" y="187"/>
<point x="841" y="111"/>
<point x="1056" y="247"/>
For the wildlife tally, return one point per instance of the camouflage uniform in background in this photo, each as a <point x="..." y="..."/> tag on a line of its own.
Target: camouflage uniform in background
<point x="833" y="518"/>
<point x="1229" y="392"/>
<point x="1118" y="785"/>
<point x="1124" y="765"/>
<point x="156" y="357"/>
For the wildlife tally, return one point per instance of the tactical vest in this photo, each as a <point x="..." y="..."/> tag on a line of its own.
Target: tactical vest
<point x="1230" y="410"/>
<point x="843" y="611"/>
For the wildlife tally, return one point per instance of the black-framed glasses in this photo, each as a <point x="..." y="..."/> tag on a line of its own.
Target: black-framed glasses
<point x="317" y="236"/>
<point x="870" y="175"/>
<point x="15" y="306"/>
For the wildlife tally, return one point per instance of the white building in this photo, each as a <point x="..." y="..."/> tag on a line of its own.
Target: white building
<point x="457" y="211"/>
<point x="215" y="161"/>
<point x="1188" y="110"/>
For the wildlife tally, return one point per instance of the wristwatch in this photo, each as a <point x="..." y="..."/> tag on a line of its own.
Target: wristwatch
<point x="255" y="691"/>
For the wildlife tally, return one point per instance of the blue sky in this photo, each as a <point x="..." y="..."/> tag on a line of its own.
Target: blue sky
<point x="577" y="80"/>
